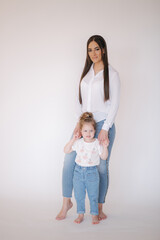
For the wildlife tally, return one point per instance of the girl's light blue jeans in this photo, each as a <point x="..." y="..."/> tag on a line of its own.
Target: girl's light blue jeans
<point x="86" y="178"/>
<point x="103" y="168"/>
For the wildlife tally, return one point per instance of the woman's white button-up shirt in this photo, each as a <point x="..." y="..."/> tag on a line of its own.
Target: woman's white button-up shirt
<point x="92" y="92"/>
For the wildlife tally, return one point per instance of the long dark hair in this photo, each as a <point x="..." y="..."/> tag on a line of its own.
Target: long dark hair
<point x="103" y="46"/>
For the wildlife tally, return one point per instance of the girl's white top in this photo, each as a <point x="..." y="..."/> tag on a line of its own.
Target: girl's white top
<point x="88" y="154"/>
<point x="92" y="91"/>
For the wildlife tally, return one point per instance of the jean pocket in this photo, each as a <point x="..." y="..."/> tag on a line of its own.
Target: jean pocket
<point x="76" y="175"/>
<point x="92" y="177"/>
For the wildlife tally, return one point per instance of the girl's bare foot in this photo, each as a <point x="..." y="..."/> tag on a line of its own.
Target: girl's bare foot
<point x="101" y="215"/>
<point x="79" y="219"/>
<point x="67" y="204"/>
<point x="95" y="219"/>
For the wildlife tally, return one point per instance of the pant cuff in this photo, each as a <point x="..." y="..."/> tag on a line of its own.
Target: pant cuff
<point x="80" y="212"/>
<point x="101" y="201"/>
<point x="67" y="196"/>
<point x="94" y="213"/>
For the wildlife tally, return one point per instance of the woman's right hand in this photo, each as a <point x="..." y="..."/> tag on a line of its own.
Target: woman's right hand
<point x="77" y="131"/>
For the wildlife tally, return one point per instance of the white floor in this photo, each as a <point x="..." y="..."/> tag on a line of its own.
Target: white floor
<point x="20" y="220"/>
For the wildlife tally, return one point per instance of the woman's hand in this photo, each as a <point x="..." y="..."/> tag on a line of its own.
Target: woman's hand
<point x="75" y="137"/>
<point x="77" y="131"/>
<point x="103" y="137"/>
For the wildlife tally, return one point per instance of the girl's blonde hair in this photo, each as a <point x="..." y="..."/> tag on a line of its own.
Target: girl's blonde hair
<point x="87" y="117"/>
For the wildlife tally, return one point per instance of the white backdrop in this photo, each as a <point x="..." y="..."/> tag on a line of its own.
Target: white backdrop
<point x="43" y="49"/>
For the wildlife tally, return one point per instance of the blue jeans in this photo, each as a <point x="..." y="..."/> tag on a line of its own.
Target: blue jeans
<point x="103" y="168"/>
<point x="86" y="178"/>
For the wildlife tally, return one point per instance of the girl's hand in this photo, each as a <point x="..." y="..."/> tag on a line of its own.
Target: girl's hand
<point x="105" y="143"/>
<point x="103" y="137"/>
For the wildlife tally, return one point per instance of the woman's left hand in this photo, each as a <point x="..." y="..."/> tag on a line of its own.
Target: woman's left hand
<point x="103" y="136"/>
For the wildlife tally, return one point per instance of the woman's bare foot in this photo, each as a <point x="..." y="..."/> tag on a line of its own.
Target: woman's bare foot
<point x="101" y="215"/>
<point x="67" y="204"/>
<point x="95" y="219"/>
<point x="79" y="219"/>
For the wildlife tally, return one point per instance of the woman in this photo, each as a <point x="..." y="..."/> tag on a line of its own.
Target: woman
<point x="99" y="92"/>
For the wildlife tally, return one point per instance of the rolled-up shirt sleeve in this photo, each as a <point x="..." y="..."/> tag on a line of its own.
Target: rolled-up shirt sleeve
<point x="114" y="98"/>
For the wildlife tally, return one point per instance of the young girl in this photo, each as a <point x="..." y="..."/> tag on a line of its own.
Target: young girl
<point x="86" y="175"/>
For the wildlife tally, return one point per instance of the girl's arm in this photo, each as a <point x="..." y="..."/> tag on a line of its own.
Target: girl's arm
<point x="68" y="146"/>
<point x="104" y="154"/>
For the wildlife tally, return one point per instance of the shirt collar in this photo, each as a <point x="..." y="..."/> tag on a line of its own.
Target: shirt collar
<point x="92" y="69"/>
